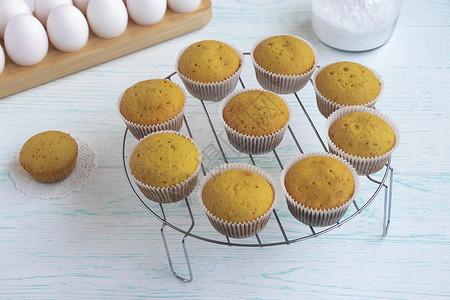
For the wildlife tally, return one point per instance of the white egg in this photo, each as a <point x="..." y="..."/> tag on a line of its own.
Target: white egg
<point x="81" y="4"/>
<point x="9" y="9"/>
<point x="67" y="28"/>
<point x="107" y="18"/>
<point x="183" y="6"/>
<point x="146" y="12"/>
<point x="42" y="8"/>
<point x="26" y="41"/>
<point x="2" y="59"/>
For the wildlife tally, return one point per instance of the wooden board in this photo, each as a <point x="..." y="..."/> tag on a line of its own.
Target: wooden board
<point x="57" y="64"/>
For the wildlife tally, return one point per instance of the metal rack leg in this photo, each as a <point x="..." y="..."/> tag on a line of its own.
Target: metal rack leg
<point x="183" y="243"/>
<point x="188" y="263"/>
<point x="388" y="202"/>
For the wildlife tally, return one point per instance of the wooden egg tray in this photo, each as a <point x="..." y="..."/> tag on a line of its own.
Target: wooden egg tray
<point x="57" y="64"/>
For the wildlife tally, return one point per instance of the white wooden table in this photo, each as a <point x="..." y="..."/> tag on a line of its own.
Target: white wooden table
<point x="100" y="242"/>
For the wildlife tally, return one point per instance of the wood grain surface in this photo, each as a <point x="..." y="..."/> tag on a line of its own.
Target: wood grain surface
<point x="100" y="243"/>
<point x="56" y="64"/>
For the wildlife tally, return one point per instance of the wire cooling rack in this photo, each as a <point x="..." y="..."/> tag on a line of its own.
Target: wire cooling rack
<point x="385" y="182"/>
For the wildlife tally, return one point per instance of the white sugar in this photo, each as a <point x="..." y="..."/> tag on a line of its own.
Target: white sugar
<point x="354" y="25"/>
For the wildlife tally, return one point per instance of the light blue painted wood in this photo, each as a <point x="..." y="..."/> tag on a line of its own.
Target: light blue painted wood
<point x="100" y="243"/>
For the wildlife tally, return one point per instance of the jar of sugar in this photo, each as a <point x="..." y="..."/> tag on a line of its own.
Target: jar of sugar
<point x="354" y="25"/>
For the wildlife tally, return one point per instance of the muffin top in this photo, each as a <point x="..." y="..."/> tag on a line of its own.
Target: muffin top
<point x="285" y="55"/>
<point x="208" y="61"/>
<point x="152" y="102"/>
<point x="348" y="83"/>
<point x="362" y="134"/>
<point x="256" y="113"/>
<point x="238" y="195"/>
<point x="319" y="182"/>
<point x="48" y="152"/>
<point x="164" y="159"/>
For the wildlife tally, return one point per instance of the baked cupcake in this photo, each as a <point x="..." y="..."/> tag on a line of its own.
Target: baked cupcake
<point x="319" y="187"/>
<point x="238" y="199"/>
<point x="345" y="83"/>
<point x="283" y="63"/>
<point x="165" y="166"/>
<point x="152" y="105"/>
<point x="254" y="120"/>
<point x="210" y="69"/>
<point x="49" y="156"/>
<point x="363" y="136"/>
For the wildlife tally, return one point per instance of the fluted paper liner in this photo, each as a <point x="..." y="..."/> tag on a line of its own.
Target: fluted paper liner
<point x="327" y="106"/>
<point x="318" y="217"/>
<point x="364" y="166"/>
<point x="253" y="144"/>
<point x="282" y="84"/>
<point x="212" y="91"/>
<point x="173" y="193"/>
<point x="139" y="131"/>
<point x="243" y="229"/>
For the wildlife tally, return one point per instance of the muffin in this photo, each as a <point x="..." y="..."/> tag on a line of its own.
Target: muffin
<point x="345" y="83"/>
<point x="165" y="166"/>
<point x="363" y="136"/>
<point x="319" y="187"/>
<point x="283" y="63"/>
<point x="49" y="156"/>
<point x="238" y="199"/>
<point x="254" y="120"/>
<point x="210" y="69"/>
<point x="152" y="105"/>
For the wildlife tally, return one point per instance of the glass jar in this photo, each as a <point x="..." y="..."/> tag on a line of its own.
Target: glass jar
<point x="354" y="25"/>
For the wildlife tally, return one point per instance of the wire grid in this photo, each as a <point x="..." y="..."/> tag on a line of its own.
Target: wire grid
<point x="284" y="237"/>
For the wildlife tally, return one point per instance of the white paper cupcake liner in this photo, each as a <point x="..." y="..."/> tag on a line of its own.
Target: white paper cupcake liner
<point x="139" y="131"/>
<point x="173" y="193"/>
<point x="212" y="91"/>
<point x="282" y="84"/>
<point x="318" y="217"/>
<point x="253" y="144"/>
<point x="243" y="229"/>
<point x="327" y="107"/>
<point x="364" y="166"/>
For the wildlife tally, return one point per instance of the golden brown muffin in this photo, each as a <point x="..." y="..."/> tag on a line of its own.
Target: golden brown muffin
<point x="348" y="83"/>
<point x="49" y="156"/>
<point x="256" y="113"/>
<point x="152" y="102"/>
<point x="284" y="54"/>
<point x="238" y="196"/>
<point x="164" y="159"/>
<point x="208" y="61"/>
<point x="319" y="182"/>
<point x="362" y="134"/>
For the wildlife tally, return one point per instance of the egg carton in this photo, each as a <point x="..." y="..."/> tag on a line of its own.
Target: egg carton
<point x="41" y="62"/>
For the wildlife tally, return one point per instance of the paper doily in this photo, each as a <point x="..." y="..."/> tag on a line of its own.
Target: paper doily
<point x="86" y="164"/>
